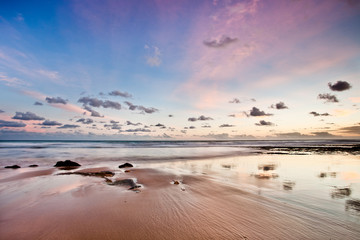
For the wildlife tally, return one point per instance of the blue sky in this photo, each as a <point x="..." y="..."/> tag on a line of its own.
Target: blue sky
<point x="234" y="69"/>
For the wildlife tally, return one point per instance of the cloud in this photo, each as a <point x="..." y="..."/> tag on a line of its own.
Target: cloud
<point x="220" y="43"/>
<point x="94" y="102"/>
<point x="235" y="100"/>
<point x="68" y="126"/>
<point x="111" y="104"/>
<point x="339" y="86"/>
<point x="143" y="109"/>
<point x="50" y="123"/>
<point x="147" y="109"/>
<point x="11" y="81"/>
<point x="27" y="116"/>
<point x="323" y="134"/>
<point x="160" y="125"/>
<point x="291" y="135"/>
<point x="138" y="130"/>
<point x="255" y="112"/>
<point x="11" y="124"/>
<point x="1" y="111"/>
<point x="264" y="123"/>
<point x="132" y="124"/>
<point x="53" y="75"/>
<point x="93" y="112"/>
<point x="355" y="129"/>
<point x="328" y="97"/>
<point x="279" y="106"/>
<point x="201" y="118"/>
<point x="55" y="100"/>
<point x="120" y="94"/>
<point x="38" y="103"/>
<point x="166" y="136"/>
<point x="85" y="121"/>
<point x="226" y="125"/>
<point x="319" y="114"/>
<point x="153" y="59"/>
<point x="114" y="125"/>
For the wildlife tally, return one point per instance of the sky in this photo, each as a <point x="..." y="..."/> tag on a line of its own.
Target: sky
<point x="179" y="70"/>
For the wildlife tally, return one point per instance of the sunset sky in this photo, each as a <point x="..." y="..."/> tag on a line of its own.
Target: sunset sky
<point x="155" y="69"/>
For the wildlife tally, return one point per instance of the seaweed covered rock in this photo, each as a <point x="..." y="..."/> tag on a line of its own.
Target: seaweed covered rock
<point x="126" y="165"/>
<point x="67" y="164"/>
<point x="126" y="182"/>
<point x="102" y="174"/>
<point x="13" y="166"/>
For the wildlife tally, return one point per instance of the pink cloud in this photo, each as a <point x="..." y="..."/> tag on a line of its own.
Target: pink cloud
<point x="267" y="33"/>
<point x="68" y="107"/>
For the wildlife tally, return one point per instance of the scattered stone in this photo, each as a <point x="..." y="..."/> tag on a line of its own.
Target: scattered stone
<point x="67" y="164"/>
<point x="182" y="189"/>
<point x="176" y="182"/>
<point x="126" y="165"/>
<point x="13" y="166"/>
<point x="126" y="182"/>
<point x="33" y="165"/>
<point x="127" y="171"/>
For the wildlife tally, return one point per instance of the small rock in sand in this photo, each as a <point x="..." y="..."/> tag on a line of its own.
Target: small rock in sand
<point x="126" y="165"/>
<point x="33" y="165"/>
<point x="176" y="182"/>
<point x="13" y="166"/>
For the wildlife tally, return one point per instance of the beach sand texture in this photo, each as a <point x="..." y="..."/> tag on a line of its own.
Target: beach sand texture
<point x="40" y="204"/>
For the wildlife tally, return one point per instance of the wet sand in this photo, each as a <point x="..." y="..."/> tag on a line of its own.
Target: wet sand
<point x="40" y="204"/>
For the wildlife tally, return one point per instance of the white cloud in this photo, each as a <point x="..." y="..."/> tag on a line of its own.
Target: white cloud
<point x="154" y="58"/>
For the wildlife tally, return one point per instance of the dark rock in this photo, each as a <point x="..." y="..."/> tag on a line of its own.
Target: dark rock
<point x="102" y="174"/>
<point x="13" y="166"/>
<point x="67" y="163"/>
<point x="126" y="165"/>
<point x="176" y="182"/>
<point x="33" y="165"/>
<point x="126" y="182"/>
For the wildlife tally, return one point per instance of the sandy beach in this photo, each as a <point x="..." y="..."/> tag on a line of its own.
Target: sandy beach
<point x="41" y="204"/>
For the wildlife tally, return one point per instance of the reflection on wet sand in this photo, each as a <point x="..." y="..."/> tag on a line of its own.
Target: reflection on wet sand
<point x="352" y="204"/>
<point x="266" y="171"/>
<point x="340" y="192"/>
<point x="288" y="185"/>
